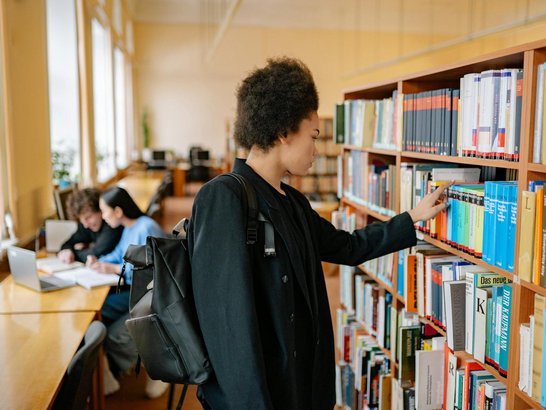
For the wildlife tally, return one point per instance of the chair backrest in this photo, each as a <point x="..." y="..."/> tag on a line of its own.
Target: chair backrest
<point x="76" y="387"/>
<point x="61" y="197"/>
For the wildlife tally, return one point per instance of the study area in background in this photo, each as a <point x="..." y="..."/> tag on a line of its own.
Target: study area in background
<point x="320" y="183"/>
<point x="458" y="320"/>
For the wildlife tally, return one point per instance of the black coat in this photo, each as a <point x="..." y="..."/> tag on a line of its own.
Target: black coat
<point x="246" y="303"/>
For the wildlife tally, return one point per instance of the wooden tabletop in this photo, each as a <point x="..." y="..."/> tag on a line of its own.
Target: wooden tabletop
<point x="35" y="351"/>
<point x="142" y="186"/>
<point x="18" y="299"/>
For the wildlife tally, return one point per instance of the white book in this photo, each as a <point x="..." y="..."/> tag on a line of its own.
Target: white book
<point x="488" y="116"/>
<point x="480" y="322"/>
<point x="451" y="380"/>
<point x="469" y="110"/>
<point x="468" y="272"/>
<point x="53" y="264"/>
<point x="454" y="302"/>
<point x="531" y="353"/>
<point x="524" y="349"/>
<point x="511" y="119"/>
<point x="394" y="332"/>
<point x="429" y="379"/>
<point x="381" y="321"/>
<point x="89" y="278"/>
<point x="537" y="143"/>
<point x="456" y="174"/>
<point x="499" y="140"/>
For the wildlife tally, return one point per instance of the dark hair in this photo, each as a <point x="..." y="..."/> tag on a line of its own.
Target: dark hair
<point x="117" y="196"/>
<point x="273" y="101"/>
<point x="82" y="200"/>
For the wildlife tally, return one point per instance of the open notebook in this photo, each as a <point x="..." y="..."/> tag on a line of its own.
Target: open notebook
<point x="88" y="278"/>
<point x="53" y="264"/>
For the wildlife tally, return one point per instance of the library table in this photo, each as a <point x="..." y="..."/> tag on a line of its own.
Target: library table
<point x="142" y="186"/>
<point x="35" y="351"/>
<point x="18" y="299"/>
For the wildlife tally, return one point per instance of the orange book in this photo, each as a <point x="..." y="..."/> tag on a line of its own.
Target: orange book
<point x="410" y="291"/>
<point x="538" y="235"/>
<point x="469" y="366"/>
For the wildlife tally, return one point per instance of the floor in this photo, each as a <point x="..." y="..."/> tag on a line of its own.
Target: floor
<point x="131" y="395"/>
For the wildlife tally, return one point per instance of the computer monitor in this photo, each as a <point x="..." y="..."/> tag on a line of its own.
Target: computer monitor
<point x="160" y="159"/>
<point x="203" y="155"/>
<point x="159" y="155"/>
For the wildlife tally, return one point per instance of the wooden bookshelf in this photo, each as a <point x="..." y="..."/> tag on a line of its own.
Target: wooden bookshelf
<point x="464" y="255"/>
<point x="526" y="57"/>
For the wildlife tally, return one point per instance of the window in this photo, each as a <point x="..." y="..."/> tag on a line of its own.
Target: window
<point x="64" y="114"/>
<point x="5" y="233"/>
<point x="121" y="109"/>
<point x="103" y="102"/>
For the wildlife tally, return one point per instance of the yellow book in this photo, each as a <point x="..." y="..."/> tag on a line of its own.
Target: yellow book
<point x="538" y="235"/>
<point x="527" y="235"/>
<point x="538" y="345"/>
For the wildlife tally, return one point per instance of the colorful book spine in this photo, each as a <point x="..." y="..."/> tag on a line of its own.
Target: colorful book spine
<point x="505" y="329"/>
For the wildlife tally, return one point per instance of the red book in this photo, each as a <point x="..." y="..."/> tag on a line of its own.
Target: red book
<point x="469" y="366"/>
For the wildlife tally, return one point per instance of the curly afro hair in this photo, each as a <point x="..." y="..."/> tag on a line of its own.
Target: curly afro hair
<point x="273" y="101"/>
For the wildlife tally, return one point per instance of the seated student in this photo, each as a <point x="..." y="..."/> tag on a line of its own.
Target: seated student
<point x="93" y="236"/>
<point x="119" y="209"/>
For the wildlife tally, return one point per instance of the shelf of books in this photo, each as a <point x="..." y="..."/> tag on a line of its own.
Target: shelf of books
<point x="320" y="183"/>
<point x="457" y="321"/>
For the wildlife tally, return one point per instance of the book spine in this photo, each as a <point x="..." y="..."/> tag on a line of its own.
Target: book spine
<point x="505" y="329"/>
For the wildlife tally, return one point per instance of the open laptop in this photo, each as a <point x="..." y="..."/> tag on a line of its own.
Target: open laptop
<point x="22" y="264"/>
<point x="57" y="232"/>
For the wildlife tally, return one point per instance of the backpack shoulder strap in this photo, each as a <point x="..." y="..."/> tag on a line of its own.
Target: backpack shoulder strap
<point x="250" y="204"/>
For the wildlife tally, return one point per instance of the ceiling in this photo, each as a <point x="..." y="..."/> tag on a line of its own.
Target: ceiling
<point x="376" y="15"/>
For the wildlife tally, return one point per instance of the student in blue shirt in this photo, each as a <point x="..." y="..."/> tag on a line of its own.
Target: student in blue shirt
<point x="119" y="209"/>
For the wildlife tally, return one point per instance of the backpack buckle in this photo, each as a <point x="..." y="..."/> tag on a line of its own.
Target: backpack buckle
<point x="251" y="236"/>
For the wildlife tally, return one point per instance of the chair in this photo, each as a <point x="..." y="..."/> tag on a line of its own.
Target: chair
<point x="61" y="197"/>
<point x="76" y="388"/>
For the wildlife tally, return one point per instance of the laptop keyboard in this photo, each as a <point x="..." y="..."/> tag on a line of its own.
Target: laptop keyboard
<point x="46" y="285"/>
<point x="53" y="282"/>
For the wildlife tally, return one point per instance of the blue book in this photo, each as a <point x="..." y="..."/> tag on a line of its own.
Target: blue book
<point x="401" y="269"/>
<point x="477" y="377"/>
<point x="487" y="219"/>
<point x="459" y="217"/>
<point x="533" y="185"/>
<point x="511" y="241"/>
<point x="488" y="330"/>
<point x="450" y="202"/>
<point x="498" y="316"/>
<point x="505" y="328"/>
<point x="501" y="224"/>
<point x="490" y="350"/>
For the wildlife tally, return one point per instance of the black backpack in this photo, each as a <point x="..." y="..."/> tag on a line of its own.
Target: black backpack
<point x="163" y="321"/>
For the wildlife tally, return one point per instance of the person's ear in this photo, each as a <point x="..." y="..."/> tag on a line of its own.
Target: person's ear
<point x="118" y="212"/>
<point x="283" y="137"/>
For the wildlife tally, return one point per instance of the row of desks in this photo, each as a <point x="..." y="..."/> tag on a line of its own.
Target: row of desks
<point x="41" y="332"/>
<point x="39" y="335"/>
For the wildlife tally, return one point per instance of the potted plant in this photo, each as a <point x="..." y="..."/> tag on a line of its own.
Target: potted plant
<point x="62" y="163"/>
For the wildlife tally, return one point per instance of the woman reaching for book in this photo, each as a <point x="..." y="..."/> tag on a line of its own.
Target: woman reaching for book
<point x="266" y="319"/>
